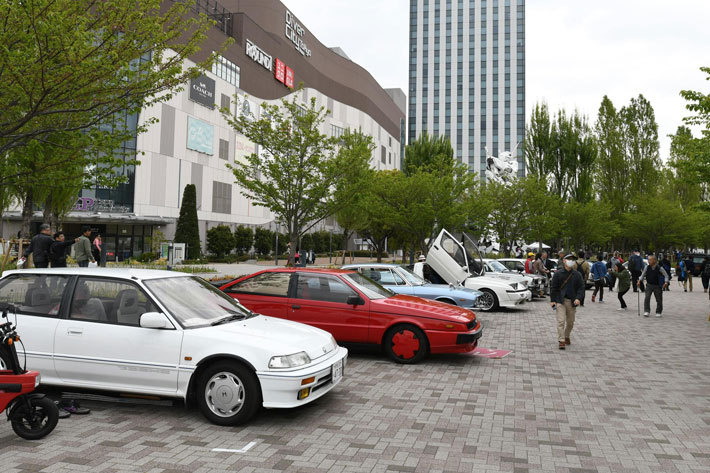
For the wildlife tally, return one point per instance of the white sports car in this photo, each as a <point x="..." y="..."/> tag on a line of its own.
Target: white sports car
<point x="452" y="262"/>
<point x="167" y="334"/>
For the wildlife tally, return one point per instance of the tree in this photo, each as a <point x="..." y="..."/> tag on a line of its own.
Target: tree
<point x="220" y="240"/>
<point x="187" y="230"/>
<point x="639" y="132"/>
<point x="538" y="142"/>
<point x="72" y="65"/>
<point x="587" y="225"/>
<point x="422" y="152"/>
<point x="243" y="239"/>
<point x="659" y="223"/>
<point x="698" y="149"/>
<point x="297" y="168"/>
<point x="611" y="176"/>
<point x="264" y="240"/>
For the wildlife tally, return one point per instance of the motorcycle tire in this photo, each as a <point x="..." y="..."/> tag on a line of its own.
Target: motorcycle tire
<point x="37" y="422"/>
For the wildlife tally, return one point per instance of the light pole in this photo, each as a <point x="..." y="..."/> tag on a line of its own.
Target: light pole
<point x="276" y="248"/>
<point x="330" y="251"/>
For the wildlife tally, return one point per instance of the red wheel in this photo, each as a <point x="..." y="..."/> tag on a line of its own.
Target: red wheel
<point x="406" y="344"/>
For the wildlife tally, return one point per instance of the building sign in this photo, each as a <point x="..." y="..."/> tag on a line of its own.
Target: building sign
<point x="258" y="55"/>
<point x="202" y="91"/>
<point x="200" y="136"/>
<point x="295" y="32"/>
<point x="89" y="204"/>
<point x="289" y="77"/>
<point x="280" y="71"/>
<point x="246" y="108"/>
<point x="243" y="148"/>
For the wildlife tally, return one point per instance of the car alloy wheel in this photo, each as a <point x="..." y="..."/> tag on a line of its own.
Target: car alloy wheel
<point x="406" y="344"/>
<point x="487" y="300"/>
<point x="228" y="393"/>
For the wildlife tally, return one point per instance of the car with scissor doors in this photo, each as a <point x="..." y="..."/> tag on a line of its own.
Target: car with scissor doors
<point x="358" y="311"/>
<point x="401" y="280"/>
<point x="460" y="263"/>
<point x="167" y="334"/>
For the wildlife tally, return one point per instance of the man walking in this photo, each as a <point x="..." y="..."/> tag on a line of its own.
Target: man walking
<point x="689" y="269"/>
<point x="635" y="267"/>
<point x="566" y="292"/>
<point x="599" y="273"/>
<point x="58" y="250"/>
<point x="584" y="269"/>
<point x="39" y="247"/>
<point x="82" y="251"/>
<point x="705" y="273"/>
<point x="653" y="273"/>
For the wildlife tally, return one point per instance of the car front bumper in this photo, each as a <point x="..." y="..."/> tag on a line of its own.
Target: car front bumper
<point x="281" y="389"/>
<point x="454" y="342"/>
<point x="515" y="298"/>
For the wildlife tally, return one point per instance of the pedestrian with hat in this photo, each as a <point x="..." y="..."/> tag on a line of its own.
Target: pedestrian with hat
<point x="566" y="292"/>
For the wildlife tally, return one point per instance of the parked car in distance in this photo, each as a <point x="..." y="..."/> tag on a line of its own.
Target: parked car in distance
<point x="460" y="263"/>
<point x="498" y="270"/>
<point x="167" y="334"/>
<point x="356" y="310"/>
<point x="401" y="280"/>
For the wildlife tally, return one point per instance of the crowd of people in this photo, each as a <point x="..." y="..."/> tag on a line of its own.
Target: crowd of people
<point x="51" y="250"/>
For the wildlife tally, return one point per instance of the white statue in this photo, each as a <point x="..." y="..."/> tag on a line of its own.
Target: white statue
<point x="503" y="168"/>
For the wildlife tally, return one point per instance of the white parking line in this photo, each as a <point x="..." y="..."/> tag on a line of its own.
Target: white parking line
<point x="231" y="450"/>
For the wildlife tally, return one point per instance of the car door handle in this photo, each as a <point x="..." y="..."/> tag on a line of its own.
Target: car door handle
<point x="295" y="307"/>
<point x="74" y="331"/>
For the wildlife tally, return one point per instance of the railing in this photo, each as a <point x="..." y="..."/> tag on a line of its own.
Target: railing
<point x="223" y="17"/>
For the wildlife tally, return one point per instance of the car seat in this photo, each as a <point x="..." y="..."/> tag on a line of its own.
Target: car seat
<point x="126" y="304"/>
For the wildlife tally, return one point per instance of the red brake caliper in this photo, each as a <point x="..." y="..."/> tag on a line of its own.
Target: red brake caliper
<point x="404" y="344"/>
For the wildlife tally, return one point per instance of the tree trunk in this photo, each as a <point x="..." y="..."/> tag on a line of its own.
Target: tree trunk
<point x="47" y="212"/>
<point x="27" y="212"/>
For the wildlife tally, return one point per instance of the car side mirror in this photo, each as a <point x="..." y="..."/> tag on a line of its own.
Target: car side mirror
<point x="155" y="320"/>
<point x="355" y="300"/>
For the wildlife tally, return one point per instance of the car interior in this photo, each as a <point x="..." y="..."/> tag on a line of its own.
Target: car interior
<point x="321" y="288"/>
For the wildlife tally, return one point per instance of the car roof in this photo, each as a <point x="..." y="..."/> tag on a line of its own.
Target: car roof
<point x="122" y="273"/>
<point x="308" y="270"/>
<point x="372" y="265"/>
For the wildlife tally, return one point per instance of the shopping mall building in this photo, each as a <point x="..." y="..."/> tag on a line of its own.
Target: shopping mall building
<point x="273" y="52"/>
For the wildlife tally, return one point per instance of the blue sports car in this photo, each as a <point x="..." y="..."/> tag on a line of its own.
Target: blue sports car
<point x="403" y="281"/>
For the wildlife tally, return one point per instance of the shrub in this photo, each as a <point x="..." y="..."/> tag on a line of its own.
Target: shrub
<point x="263" y="240"/>
<point x="147" y="257"/>
<point x="187" y="230"/>
<point x="243" y="239"/>
<point x="220" y="240"/>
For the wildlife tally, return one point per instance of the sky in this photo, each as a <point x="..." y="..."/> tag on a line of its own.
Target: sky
<point x="577" y="51"/>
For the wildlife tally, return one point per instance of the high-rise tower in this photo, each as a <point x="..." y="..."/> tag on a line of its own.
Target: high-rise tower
<point x="467" y="76"/>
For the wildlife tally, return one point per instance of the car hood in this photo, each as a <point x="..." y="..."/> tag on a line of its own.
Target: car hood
<point x="418" y="307"/>
<point x="478" y="282"/>
<point x="447" y="290"/>
<point x="286" y="337"/>
<point x="505" y="276"/>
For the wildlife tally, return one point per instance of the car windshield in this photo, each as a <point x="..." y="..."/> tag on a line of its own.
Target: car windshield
<point x="411" y="277"/>
<point x="475" y="264"/>
<point x="498" y="267"/>
<point x="367" y="286"/>
<point x="196" y="303"/>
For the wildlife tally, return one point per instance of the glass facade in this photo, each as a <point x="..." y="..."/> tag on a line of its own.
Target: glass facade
<point x="467" y="76"/>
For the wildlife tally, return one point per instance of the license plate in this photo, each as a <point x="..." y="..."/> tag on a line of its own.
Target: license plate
<point x="337" y="371"/>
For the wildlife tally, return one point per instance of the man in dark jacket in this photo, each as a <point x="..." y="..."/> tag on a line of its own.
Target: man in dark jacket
<point x="566" y="292"/>
<point x="39" y="247"/>
<point x="654" y="274"/>
<point x="635" y="268"/>
<point x="58" y="250"/>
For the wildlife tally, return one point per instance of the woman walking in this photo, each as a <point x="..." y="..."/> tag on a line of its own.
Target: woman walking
<point x="96" y="249"/>
<point x="599" y="273"/>
<point x="624" y="277"/>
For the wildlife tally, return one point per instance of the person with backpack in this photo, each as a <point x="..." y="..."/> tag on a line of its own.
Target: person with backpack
<point x="600" y="274"/>
<point x="584" y="269"/>
<point x="39" y="247"/>
<point x="624" y="277"/>
<point x="58" y="250"/>
<point x="656" y="277"/>
<point x="705" y="273"/>
<point x="566" y="292"/>
<point x="636" y="266"/>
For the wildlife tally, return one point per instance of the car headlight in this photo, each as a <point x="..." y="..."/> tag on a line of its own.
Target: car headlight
<point x="289" y="361"/>
<point x="37" y="380"/>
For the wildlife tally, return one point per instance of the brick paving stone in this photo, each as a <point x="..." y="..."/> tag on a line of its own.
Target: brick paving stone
<point x="631" y="394"/>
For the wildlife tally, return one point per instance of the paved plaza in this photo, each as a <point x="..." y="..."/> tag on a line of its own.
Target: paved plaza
<point x="631" y="394"/>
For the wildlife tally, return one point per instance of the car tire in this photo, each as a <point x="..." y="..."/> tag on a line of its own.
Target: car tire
<point x="238" y="389"/>
<point x="406" y="344"/>
<point x="488" y="301"/>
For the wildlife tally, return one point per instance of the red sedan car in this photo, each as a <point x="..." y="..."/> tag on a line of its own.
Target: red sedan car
<point x="357" y="310"/>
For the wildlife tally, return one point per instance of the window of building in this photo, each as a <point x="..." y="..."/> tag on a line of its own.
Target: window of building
<point x="336" y="131"/>
<point x="221" y="197"/>
<point x="383" y="156"/>
<point x="225" y="102"/>
<point x="227" y="70"/>
<point x="223" y="149"/>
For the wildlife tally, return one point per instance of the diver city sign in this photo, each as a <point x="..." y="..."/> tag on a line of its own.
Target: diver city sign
<point x="295" y="32"/>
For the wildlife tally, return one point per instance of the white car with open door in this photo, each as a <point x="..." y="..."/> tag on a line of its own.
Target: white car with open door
<point x="457" y="263"/>
<point x="496" y="269"/>
<point x="167" y="334"/>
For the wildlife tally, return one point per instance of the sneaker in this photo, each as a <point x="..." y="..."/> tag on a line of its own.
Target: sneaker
<point x="562" y="345"/>
<point x="63" y="414"/>
<point x="568" y="341"/>
<point x="73" y="407"/>
<point x="621" y="309"/>
<point x="658" y="315"/>
<point x="601" y="301"/>
<point x="645" y="314"/>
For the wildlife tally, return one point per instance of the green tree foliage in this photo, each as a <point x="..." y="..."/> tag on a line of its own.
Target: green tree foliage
<point x="587" y="225"/>
<point x="658" y="223"/>
<point x="612" y="181"/>
<point x="243" y="239"/>
<point x="298" y="168"/>
<point x="538" y="142"/>
<point x="68" y="67"/>
<point x="220" y="240"/>
<point x="187" y="230"/>
<point x="264" y="240"/>
<point x="424" y="151"/>
<point x="639" y="132"/>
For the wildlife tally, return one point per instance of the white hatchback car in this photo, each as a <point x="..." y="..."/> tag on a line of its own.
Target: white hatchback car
<point x="167" y="334"/>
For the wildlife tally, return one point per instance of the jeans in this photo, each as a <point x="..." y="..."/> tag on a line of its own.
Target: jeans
<point x="621" y="298"/>
<point x="565" y="319"/>
<point x="657" y="293"/>
<point x="599" y="287"/>
<point x="83" y="264"/>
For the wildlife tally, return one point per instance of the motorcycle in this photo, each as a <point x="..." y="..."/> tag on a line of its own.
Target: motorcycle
<point x="32" y="415"/>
